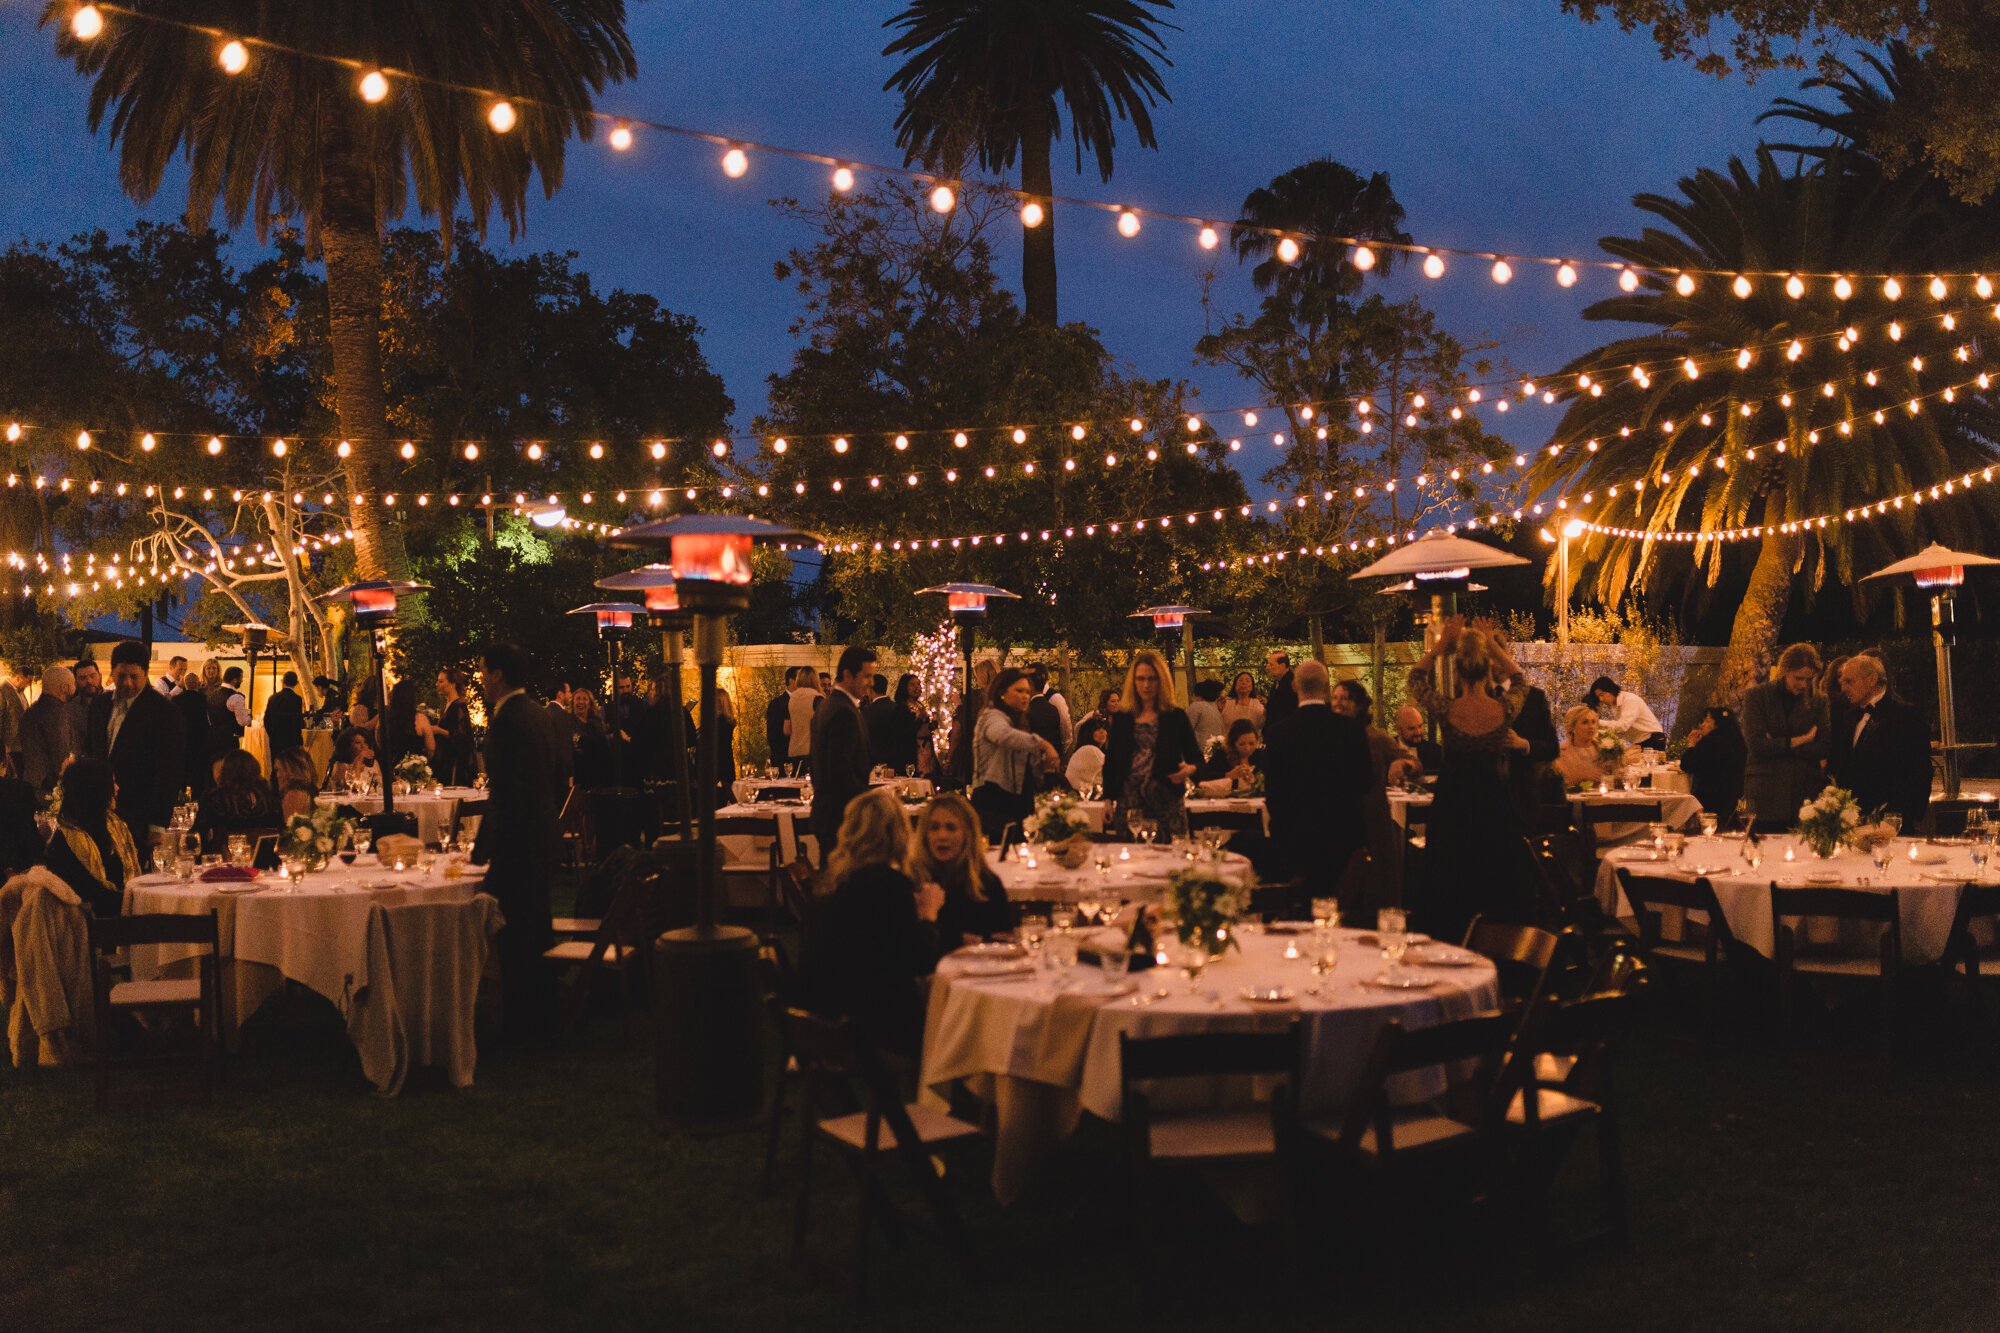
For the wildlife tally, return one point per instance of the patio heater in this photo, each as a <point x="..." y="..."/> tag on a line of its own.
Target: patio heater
<point x="967" y="604"/>
<point x="256" y="637"/>
<point x="1439" y="565"/>
<point x="614" y="622"/>
<point x="373" y="602"/>
<point x="1176" y="623"/>
<point x="710" y="1003"/>
<point x="656" y="585"/>
<point x="1941" y="573"/>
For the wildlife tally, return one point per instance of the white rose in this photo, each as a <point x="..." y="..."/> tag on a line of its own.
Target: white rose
<point x="1806" y="811"/>
<point x="323" y="844"/>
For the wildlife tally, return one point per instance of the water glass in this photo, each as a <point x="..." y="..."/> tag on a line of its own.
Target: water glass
<point x="1326" y="913"/>
<point x="1709" y="823"/>
<point x="364" y="838"/>
<point x="1114" y="963"/>
<point x="239" y="849"/>
<point x="1392" y="925"/>
<point x="1031" y="930"/>
<point x="1193" y="962"/>
<point x="1880" y="853"/>
<point x="1060" y="950"/>
<point x="1980" y="851"/>
<point x="1063" y="919"/>
<point x="1325" y="952"/>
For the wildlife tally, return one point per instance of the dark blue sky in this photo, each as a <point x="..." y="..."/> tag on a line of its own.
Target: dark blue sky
<point x="1503" y="124"/>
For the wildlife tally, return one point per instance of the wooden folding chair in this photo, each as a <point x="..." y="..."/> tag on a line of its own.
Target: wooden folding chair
<point x="195" y="996"/>
<point x="831" y="1058"/>
<point x="1649" y="895"/>
<point x="1521" y="955"/>
<point x="781" y="993"/>
<point x="1591" y="816"/>
<point x="1796" y="956"/>
<point x="615" y="943"/>
<point x="466" y="817"/>
<point x="1964" y="952"/>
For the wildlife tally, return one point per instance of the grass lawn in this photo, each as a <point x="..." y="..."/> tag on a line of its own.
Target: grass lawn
<point x="1823" y="1189"/>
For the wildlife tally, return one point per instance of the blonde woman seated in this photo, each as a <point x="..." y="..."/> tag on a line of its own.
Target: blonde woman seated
<point x="1579" y="760"/>
<point x="874" y="935"/>
<point x="951" y="853"/>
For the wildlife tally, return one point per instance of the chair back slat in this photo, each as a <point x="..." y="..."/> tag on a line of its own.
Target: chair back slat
<point x="1835" y="904"/>
<point x="1478" y="1038"/>
<point x="1521" y="955"/>
<point x="1591" y="814"/>
<point x="110" y="933"/>
<point x="1976" y="902"/>
<point x="1204" y="1054"/>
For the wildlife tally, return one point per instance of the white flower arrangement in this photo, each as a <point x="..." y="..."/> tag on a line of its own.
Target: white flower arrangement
<point x="1204" y="906"/>
<point x="1828" y="820"/>
<point x="314" y="838"/>
<point x="1058" y="817"/>
<point x="414" y="770"/>
<point x="1611" y="747"/>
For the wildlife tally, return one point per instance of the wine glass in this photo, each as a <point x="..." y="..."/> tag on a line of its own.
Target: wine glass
<point x="1880" y="853"/>
<point x="1325" y="913"/>
<point x="1392" y="926"/>
<point x="1143" y="829"/>
<point x="1745" y="813"/>
<point x="1325" y="952"/>
<point x="1088" y="905"/>
<point x="1709" y="822"/>
<point x="1753" y="853"/>
<point x="239" y="849"/>
<point x="364" y="838"/>
<point x="1193" y="962"/>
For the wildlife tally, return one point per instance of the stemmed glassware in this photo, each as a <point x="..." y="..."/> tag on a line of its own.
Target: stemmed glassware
<point x="1709" y="822"/>
<point x="1193" y="962"/>
<point x="1392" y="927"/>
<point x="1143" y="830"/>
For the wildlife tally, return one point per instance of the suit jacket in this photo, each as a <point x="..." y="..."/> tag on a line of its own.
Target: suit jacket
<point x="889" y="741"/>
<point x="1536" y="725"/>
<point x="839" y="763"/>
<point x="518" y="837"/>
<point x="12" y="708"/>
<point x="47" y="739"/>
<point x="1889" y="766"/>
<point x="148" y="758"/>
<point x="1283" y="700"/>
<point x="192" y="707"/>
<point x="1780" y="776"/>
<point x="1045" y="721"/>
<point x="285" y="720"/>
<point x="1318" y="781"/>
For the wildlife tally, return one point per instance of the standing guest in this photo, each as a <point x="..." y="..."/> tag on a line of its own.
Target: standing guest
<point x="1152" y="752"/>
<point x="1284" y="697"/>
<point x="455" y="754"/>
<point x="1006" y="755"/>
<point x="1627" y="714"/>
<point x="1205" y="714"/>
<point x="777" y="715"/>
<point x="1580" y="760"/>
<point x="1785" y="729"/>
<point x="211" y="675"/>
<point x="593" y="750"/>
<point x="139" y="733"/>
<point x="1060" y="702"/>
<point x="93" y="851"/>
<point x="295" y="783"/>
<point x="1387" y="761"/>
<point x="840" y="742"/>
<point x="1231" y="768"/>
<point x="880" y="713"/>
<point x="1476" y="860"/>
<point x="910" y="698"/>
<point x="285" y="716"/>
<point x="190" y="704"/>
<point x="404" y="728"/>
<point x="240" y="802"/>
<point x="1043" y="719"/>
<point x="518" y="841"/>
<point x="1714" y="761"/>
<point x="228" y="713"/>
<point x="1085" y="771"/>
<point x="950" y="852"/>
<point x="825" y="687"/>
<point x="1837" y="717"/>
<point x="1318" y="780"/>
<point x="88" y="686"/>
<point x="799" y="726"/>
<point x="48" y="734"/>
<point x="625" y="723"/>
<point x="13" y="707"/>
<point x="1883" y="755"/>
<point x="1243" y="705"/>
<point x="1415" y="737"/>
<point x="874" y="935"/>
<point x="170" y="683"/>
<point x="562" y="720"/>
<point x="1534" y="744"/>
<point x="725" y="741"/>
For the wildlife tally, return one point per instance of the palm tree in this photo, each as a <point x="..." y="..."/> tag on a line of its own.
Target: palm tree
<point x="1003" y="64"/>
<point x="1318" y="199"/>
<point x="1665" y="430"/>
<point x="291" y="135"/>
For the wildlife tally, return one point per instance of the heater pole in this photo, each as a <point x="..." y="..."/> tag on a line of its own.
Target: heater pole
<point x="1943" y="630"/>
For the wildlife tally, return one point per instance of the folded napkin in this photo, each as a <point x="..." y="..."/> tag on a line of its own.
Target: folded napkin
<point x="398" y="846"/>
<point x="228" y="874"/>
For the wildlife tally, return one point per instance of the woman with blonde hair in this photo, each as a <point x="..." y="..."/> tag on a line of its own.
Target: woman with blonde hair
<point x="950" y="852"/>
<point x="874" y="935"/>
<point x="1579" y="760"/>
<point x="1152" y="752"/>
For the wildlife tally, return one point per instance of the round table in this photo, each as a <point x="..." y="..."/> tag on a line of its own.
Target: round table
<point x="1677" y="809"/>
<point x="1135" y="873"/>
<point x="1041" y="1054"/>
<point x="1928" y="889"/>
<point x="434" y="808"/>
<point x="399" y="953"/>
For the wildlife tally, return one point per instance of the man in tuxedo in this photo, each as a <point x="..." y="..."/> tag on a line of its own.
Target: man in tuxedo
<point x="880" y="715"/>
<point x="285" y="716"/>
<point x="1882" y="748"/>
<point x="140" y="734"/>
<point x="518" y="840"/>
<point x="1534" y="744"/>
<point x="1411" y="731"/>
<point x="1317" y="780"/>
<point x="777" y="715"/>
<point x="1283" y="700"/>
<point x="1044" y="719"/>
<point x="840" y="744"/>
<point x="190" y="704"/>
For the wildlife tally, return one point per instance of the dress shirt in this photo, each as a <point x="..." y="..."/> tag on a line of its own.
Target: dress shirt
<point x="1865" y="712"/>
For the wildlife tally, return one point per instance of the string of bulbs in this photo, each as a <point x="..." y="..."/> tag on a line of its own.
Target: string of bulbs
<point x="1922" y="495"/>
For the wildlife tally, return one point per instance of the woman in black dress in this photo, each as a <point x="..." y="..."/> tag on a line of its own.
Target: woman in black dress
<point x="1152" y="752"/>
<point x="452" y="759"/>
<point x="951" y="853"/>
<point x="1715" y="759"/>
<point x="240" y="802"/>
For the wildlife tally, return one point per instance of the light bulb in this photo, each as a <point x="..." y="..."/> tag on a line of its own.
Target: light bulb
<point x="1434" y="266"/>
<point x="840" y="444"/>
<point x="235" y="57"/>
<point x="1690" y="369"/>
<point x="86" y="23"/>
<point x="1741" y="287"/>
<point x="471" y="452"/>
<point x="408" y="451"/>
<point x="279" y="448"/>
<point x="720" y="448"/>
<point x="1288" y="252"/>
<point x="1364" y="258"/>
<point x="1209" y="238"/>
<point x="1020" y="436"/>
<point x="1566" y="275"/>
<point x="959" y="441"/>
<point x="778" y="446"/>
<point x="943" y="199"/>
<point x="83" y="439"/>
<point x="1033" y="215"/>
<point x="214" y="444"/>
<point x="1249" y="418"/>
<point x="1684" y="284"/>
<point x="902" y="442"/>
<point x="1938" y="289"/>
<point x="534" y="453"/>
<point x="1891" y="288"/>
<point x="843" y="179"/>
<point x="147" y="442"/>
<point x="1502" y="271"/>
<point x="502" y="117"/>
<point x="735" y="162"/>
<point x="374" y="86"/>
<point x="621" y="138"/>
<point x="1135" y="425"/>
<point x="1842" y="288"/>
<point x="1983" y="286"/>
<point x="1628" y="279"/>
<point x="1194" y="423"/>
<point x="1128" y="224"/>
<point x="1077" y="432"/>
<point x="1743" y="359"/>
<point x="14" y="432"/>
<point x="1795" y="287"/>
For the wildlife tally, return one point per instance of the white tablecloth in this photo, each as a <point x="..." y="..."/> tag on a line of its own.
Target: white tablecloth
<point x="405" y="980"/>
<point x="1200" y="809"/>
<point x="434" y="809"/>
<point x="787" y="824"/>
<point x="1137" y="873"/>
<point x="1927" y="896"/>
<point x="1678" y="809"/>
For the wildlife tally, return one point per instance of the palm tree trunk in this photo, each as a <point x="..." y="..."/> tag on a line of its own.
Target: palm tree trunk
<point x="1762" y="611"/>
<point x="1038" y="244"/>
<point x="351" y="239"/>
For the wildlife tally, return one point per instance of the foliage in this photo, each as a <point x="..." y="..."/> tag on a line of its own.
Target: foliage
<point x="414" y="770"/>
<point x="1828" y="820"/>
<point x="1204" y="906"/>
<point x="33" y="643"/>
<point x="314" y="837"/>
<point x="1058" y="816"/>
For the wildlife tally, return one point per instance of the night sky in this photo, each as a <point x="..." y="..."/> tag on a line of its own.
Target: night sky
<point x="1503" y="125"/>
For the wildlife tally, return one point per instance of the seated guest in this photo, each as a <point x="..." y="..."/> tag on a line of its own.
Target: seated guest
<point x="1085" y="769"/>
<point x="1715" y="759"/>
<point x="21" y="842"/>
<point x="92" y="850"/>
<point x="293" y="781"/>
<point x="240" y="802"/>
<point x="951" y="853"/>
<point x="1579" y="760"/>
<point x="1626" y="713"/>
<point x="1415" y="737"/>
<point x="353" y="762"/>
<point x="1230" y="768"/>
<point x="1882" y="746"/>
<point x="874" y="934"/>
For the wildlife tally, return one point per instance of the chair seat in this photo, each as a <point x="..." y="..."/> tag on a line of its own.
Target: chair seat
<point x="1553" y="1068"/>
<point x="932" y="1126"/>
<point x="137" y="994"/>
<point x="579" y="951"/>
<point x="1415" y="1129"/>
<point x="1686" y="953"/>
<point x="1551" y="1105"/>
<point x="1838" y="965"/>
<point x="1213" y="1135"/>
<point x="1989" y="963"/>
<point x="576" y="925"/>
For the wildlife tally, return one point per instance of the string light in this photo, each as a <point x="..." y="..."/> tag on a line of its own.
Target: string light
<point x="943" y="199"/>
<point x="620" y="138"/>
<point x="502" y="117"/>
<point x="234" y="57"/>
<point x="87" y="23"/>
<point x="374" y="86"/>
<point x="1208" y="238"/>
<point x="1128" y="224"/>
<point x="735" y="163"/>
<point x="1434" y="266"/>
<point x="843" y="179"/>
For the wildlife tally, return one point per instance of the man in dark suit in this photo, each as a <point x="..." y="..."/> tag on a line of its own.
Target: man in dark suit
<point x="518" y="840"/>
<point x="1317" y="776"/>
<point x="840" y="745"/>
<point x="1534" y="744"/>
<point x="140" y="734"/>
<point x="777" y="713"/>
<point x="191" y="705"/>
<point x="48" y="731"/>
<point x="880" y="715"/>
<point x="1882" y="748"/>
<point x="1283" y="700"/>
<point x="285" y="716"/>
<point x="1044" y="719"/>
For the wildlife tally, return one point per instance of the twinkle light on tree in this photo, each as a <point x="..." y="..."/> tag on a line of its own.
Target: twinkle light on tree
<point x="934" y="662"/>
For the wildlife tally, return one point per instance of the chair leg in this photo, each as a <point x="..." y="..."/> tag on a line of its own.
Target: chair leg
<point x="1611" y="1176"/>
<point x="805" y="1177"/>
<point x="869" y="1188"/>
<point x="771" y="1136"/>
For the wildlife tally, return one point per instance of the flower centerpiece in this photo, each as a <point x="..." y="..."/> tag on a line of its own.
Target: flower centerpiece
<point x="313" y="838"/>
<point x="1058" y="822"/>
<point x="1828" y="820"/>
<point x="1610" y="749"/>
<point x="414" y="772"/>
<point x="1204" y="907"/>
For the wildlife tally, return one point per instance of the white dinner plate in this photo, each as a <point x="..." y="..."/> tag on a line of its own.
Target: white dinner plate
<point x="1822" y="877"/>
<point x="1267" y="994"/>
<point x="1441" y="956"/>
<point x="992" y="950"/>
<point x="996" y="969"/>
<point x="1399" y="981"/>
